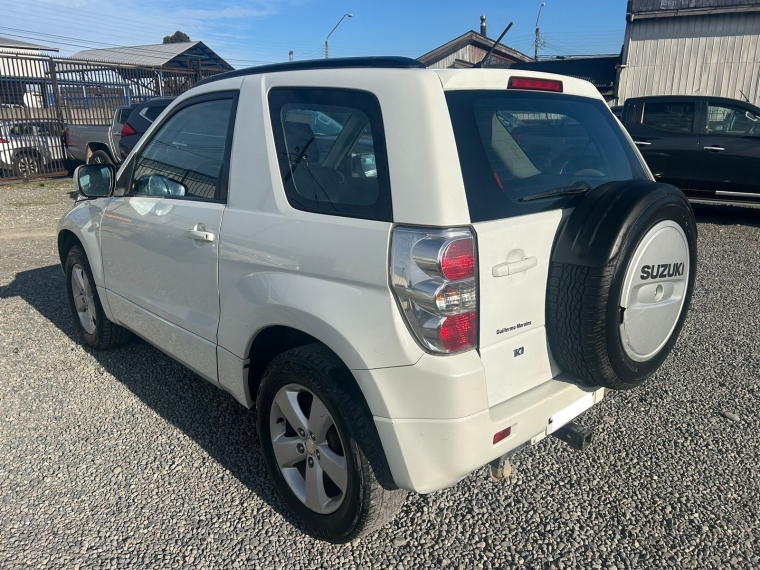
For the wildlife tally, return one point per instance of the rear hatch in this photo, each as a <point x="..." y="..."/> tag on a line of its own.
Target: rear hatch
<point x="515" y="146"/>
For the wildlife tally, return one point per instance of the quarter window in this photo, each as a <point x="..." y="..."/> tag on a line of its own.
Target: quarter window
<point x="732" y="121"/>
<point x="672" y="117"/>
<point x="186" y="155"/>
<point x="331" y="152"/>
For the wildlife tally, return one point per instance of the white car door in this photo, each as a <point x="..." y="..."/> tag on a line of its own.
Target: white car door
<point x="160" y="239"/>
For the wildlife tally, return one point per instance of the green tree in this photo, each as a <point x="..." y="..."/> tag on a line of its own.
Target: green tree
<point x="176" y="37"/>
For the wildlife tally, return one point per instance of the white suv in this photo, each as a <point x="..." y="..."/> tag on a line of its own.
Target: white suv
<point x="409" y="273"/>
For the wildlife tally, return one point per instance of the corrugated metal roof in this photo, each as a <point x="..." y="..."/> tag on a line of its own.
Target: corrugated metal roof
<point x="156" y="55"/>
<point x="15" y="44"/>
<point x="642" y="6"/>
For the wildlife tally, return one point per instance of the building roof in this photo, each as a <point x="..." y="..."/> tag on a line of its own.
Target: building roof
<point x="472" y="38"/>
<point x="669" y="8"/>
<point x="177" y="55"/>
<point x="16" y="44"/>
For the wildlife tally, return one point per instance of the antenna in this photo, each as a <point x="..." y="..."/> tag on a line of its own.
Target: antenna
<point x="743" y="95"/>
<point x="493" y="47"/>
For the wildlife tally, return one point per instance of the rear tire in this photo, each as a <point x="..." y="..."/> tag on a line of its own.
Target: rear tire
<point x="95" y="329"/>
<point x="26" y="165"/>
<point x="100" y="157"/>
<point x="370" y="498"/>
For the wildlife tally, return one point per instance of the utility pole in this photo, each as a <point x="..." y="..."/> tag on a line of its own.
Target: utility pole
<point x="290" y="55"/>
<point x="538" y="32"/>
<point x="327" y="45"/>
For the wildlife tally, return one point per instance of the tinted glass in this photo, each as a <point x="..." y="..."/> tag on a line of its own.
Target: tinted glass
<point x="672" y="117"/>
<point x="152" y="113"/>
<point x="515" y="144"/>
<point x="186" y="155"/>
<point x="732" y="121"/>
<point x="331" y="150"/>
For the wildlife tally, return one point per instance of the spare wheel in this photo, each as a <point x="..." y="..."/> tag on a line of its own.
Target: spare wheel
<point x="620" y="282"/>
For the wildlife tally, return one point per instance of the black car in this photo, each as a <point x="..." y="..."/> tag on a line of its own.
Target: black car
<point x="139" y="121"/>
<point x="707" y="146"/>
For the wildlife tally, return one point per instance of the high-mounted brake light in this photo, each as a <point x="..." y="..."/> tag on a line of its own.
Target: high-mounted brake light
<point x="433" y="275"/>
<point x="533" y="84"/>
<point x="126" y="130"/>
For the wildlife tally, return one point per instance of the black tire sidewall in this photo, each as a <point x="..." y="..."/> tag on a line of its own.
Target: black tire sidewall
<point x="76" y="256"/>
<point x="673" y="208"/>
<point x="104" y="154"/>
<point x="339" y="524"/>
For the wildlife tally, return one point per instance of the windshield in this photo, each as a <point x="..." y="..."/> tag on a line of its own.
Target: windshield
<point x="517" y="144"/>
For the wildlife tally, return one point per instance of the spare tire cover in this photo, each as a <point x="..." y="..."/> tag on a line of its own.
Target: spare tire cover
<point x="620" y="282"/>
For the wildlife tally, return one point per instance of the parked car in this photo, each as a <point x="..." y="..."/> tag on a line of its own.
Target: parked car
<point x="707" y="146"/>
<point x="97" y="144"/>
<point x="30" y="147"/>
<point x="404" y="296"/>
<point x="140" y="121"/>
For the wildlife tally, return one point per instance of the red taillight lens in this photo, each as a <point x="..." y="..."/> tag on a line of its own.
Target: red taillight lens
<point x="458" y="332"/>
<point x="458" y="260"/>
<point x="126" y="130"/>
<point x="534" y="84"/>
<point x="2" y="140"/>
<point x="503" y="434"/>
<point x="67" y="137"/>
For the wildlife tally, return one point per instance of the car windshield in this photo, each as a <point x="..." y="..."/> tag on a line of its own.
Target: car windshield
<point x="514" y="145"/>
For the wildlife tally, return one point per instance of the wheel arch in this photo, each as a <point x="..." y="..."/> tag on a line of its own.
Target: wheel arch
<point x="95" y="146"/>
<point x="66" y="240"/>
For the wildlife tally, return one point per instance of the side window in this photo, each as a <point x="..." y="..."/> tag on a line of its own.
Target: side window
<point x="672" y="117"/>
<point x="185" y="156"/>
<point x="152" y="113"/>
<point x="731" y="121"/>
<point x="331" y="151"/>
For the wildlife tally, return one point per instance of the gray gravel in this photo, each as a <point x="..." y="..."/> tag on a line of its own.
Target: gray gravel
<point x="126" y="459"/>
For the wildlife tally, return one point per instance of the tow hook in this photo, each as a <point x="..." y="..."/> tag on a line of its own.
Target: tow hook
<point x="499" y="469"/>
<point x="574" y="435"/>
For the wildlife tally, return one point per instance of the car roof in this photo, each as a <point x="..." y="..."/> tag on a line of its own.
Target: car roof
<point x="377" y="62"/>
<point x="688" y="98"/>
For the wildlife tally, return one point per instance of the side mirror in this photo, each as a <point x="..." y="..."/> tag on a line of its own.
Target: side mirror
<point x="95" y="180"/>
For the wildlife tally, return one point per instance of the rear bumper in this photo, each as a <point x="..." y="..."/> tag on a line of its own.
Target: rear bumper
<point x="426" y="454"/>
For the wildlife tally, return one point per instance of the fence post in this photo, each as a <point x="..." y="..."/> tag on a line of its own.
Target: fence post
<point x="56" y="93"/>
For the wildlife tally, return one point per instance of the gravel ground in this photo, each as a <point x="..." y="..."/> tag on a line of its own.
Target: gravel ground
<point x="126" y="459"/>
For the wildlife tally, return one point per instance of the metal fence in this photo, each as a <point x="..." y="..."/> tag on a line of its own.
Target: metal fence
<point x="40" y="96"/>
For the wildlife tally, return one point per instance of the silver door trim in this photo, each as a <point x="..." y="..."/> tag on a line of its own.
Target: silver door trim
<point x="737" y="194"/>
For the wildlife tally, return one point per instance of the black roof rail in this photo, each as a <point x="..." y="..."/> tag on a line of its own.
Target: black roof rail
<point x="376" y="62"/>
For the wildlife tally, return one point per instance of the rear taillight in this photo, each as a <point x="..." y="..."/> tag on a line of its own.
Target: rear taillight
<point x="126" y="130"/>
<point x="67" y="137"/>
<point x="534" y="84"/>
<point x="434" y="279"/>
<point x="2" y="140"/>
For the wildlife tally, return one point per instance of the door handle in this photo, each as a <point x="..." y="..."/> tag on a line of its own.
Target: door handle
<point x="200" y="234"/>
<point x="714" y="148"/>
<point x="514" y="267"/>
<point x="642" y="143"/>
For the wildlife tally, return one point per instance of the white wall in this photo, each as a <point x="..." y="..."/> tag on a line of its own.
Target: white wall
<point x="717" y="54"/>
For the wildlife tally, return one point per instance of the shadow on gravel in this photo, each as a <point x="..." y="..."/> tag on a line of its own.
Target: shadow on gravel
<point x="208" y="415"/>
<point x="727" y="215"/>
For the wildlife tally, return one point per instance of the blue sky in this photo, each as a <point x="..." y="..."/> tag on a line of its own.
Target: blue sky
<point x="251" y="32"/>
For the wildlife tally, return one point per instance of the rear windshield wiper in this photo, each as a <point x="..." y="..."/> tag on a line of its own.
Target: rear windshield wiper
<point x="577" y="188"/>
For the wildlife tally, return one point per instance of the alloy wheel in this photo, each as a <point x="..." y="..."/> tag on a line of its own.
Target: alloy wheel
<point x="84" y="301"/>
<point x="308" y="448"/>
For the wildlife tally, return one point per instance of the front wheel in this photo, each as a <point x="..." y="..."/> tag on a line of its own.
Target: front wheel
<point x="26" y="165"/>
<point x="321" y="447"/>
<point x="95" y="329"/>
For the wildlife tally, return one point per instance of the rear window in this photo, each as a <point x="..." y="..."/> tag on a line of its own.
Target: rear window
<point x="515" y="144"/>
<point x="152" y="113"/>
<point x="671" y="117"/>
<point x="331" y="152"/>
